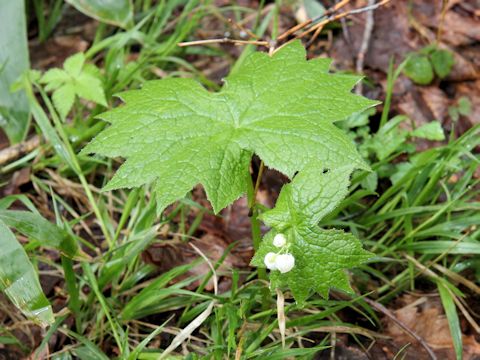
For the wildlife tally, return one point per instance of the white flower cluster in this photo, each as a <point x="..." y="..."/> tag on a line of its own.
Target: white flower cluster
<point x="281" y="262"/>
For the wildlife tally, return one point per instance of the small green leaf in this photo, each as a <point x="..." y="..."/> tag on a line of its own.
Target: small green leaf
<point x="454" y="113"/>
<point x="464" y="106"/>
<point x="389" y="138"/>
<point x="419" y="69"/>
<point x="430" y="131"/>
<point x="90" y="88"/>
<point x="73" y="65"/>
<point x="54" y="78"/>
<point x="321" y="256"/>
<point x="19" y="281"/>
<point x="78" y="79"/>
<point x="63" y="99"/>
<point x="370" y="182"/>
<point x="282" y="107"/>
<point x="357" y="120"/>
<point x="427" y="50"/>
<point x="442" y="62"/>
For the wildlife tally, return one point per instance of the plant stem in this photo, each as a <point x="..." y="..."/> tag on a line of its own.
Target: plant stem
<point x="68" y="153"/>
<point x="257" y="183"/>
<point x="253" y="214"/>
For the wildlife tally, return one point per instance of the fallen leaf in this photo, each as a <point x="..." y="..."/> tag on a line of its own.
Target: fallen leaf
<point x="424" y="315"/>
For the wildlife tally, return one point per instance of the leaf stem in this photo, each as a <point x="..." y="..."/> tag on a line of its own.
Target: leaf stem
<point x="253" y="214"/>
<point x="257" y="183"/>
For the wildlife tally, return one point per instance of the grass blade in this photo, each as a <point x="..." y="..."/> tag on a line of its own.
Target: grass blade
<point x="453" y="323"/>
<point x="35" y="226"/>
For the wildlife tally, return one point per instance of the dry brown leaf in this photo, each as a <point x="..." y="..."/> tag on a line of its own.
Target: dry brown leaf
<point x="425" y="316"/>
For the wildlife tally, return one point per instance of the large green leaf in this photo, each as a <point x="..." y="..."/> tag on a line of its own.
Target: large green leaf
<point x="14" y="109"/>
<point x="321" y="256"/>
<point x="115" y="12"/>
<point x="19" y="281"/>
<point x="282" y="107"/>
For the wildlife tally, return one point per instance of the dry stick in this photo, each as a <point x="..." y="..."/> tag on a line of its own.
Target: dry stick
<point x="367" y="34"/>
<point x="294" y="29"/>
<point x="224" y="41"/>
<point x="464" y="311"/>
<point x="315" y="35"/>
<point x="14" y="152"/>
<point x="379" y="307"/>
<point x="290" y="31"/>
<point x="442" y="20"/>
<point x="458" y="278"/>
<point x="309" y="21"/>
<point x="342" y="15"/>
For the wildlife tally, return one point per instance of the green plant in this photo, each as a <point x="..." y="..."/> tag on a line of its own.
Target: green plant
<point x="115" y="12"/>
<point x="422" y="66"/>
<point x="462" y="107"/>
<point x="76" y="79"/>
<point x="14" y="60"/>
<point x="282" y="108"/>
<point x="18" y="278"/>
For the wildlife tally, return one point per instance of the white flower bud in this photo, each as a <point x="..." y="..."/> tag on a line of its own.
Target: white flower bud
<point x="279" y="240"/>
<point x="270" y="261"/>
<point x="284" y="262"/>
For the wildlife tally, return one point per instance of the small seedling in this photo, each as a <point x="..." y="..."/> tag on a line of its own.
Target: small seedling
<point x="76" y="79"/>
<point x="422" y="66"/>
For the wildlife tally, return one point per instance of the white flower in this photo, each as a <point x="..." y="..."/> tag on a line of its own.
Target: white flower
<point x="279" y="240"/>
<point x="270" y="261"/>
<point x="284" y="262"/>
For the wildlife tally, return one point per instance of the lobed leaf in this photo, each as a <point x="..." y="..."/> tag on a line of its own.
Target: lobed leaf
<point x="176" y="134"/>
<point x="76" y="79"/>
<point x="321" y="256"/>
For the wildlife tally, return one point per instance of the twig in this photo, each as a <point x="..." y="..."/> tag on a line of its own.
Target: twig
<point x="317" y="28"/>
<point x="290" y="31"/>
<point x="442" y="20"/>
<point x="14" y="152"/>
<point x="379" y="307"/>
<point x="224" y="41"/>
<point x="315" y="35"/>
<point x="367" y="34"/>
<point x="294" y="29"/>
<point x="342" y="15"/>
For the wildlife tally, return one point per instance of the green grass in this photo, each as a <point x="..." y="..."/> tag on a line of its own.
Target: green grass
<point x="422" y="226"/>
